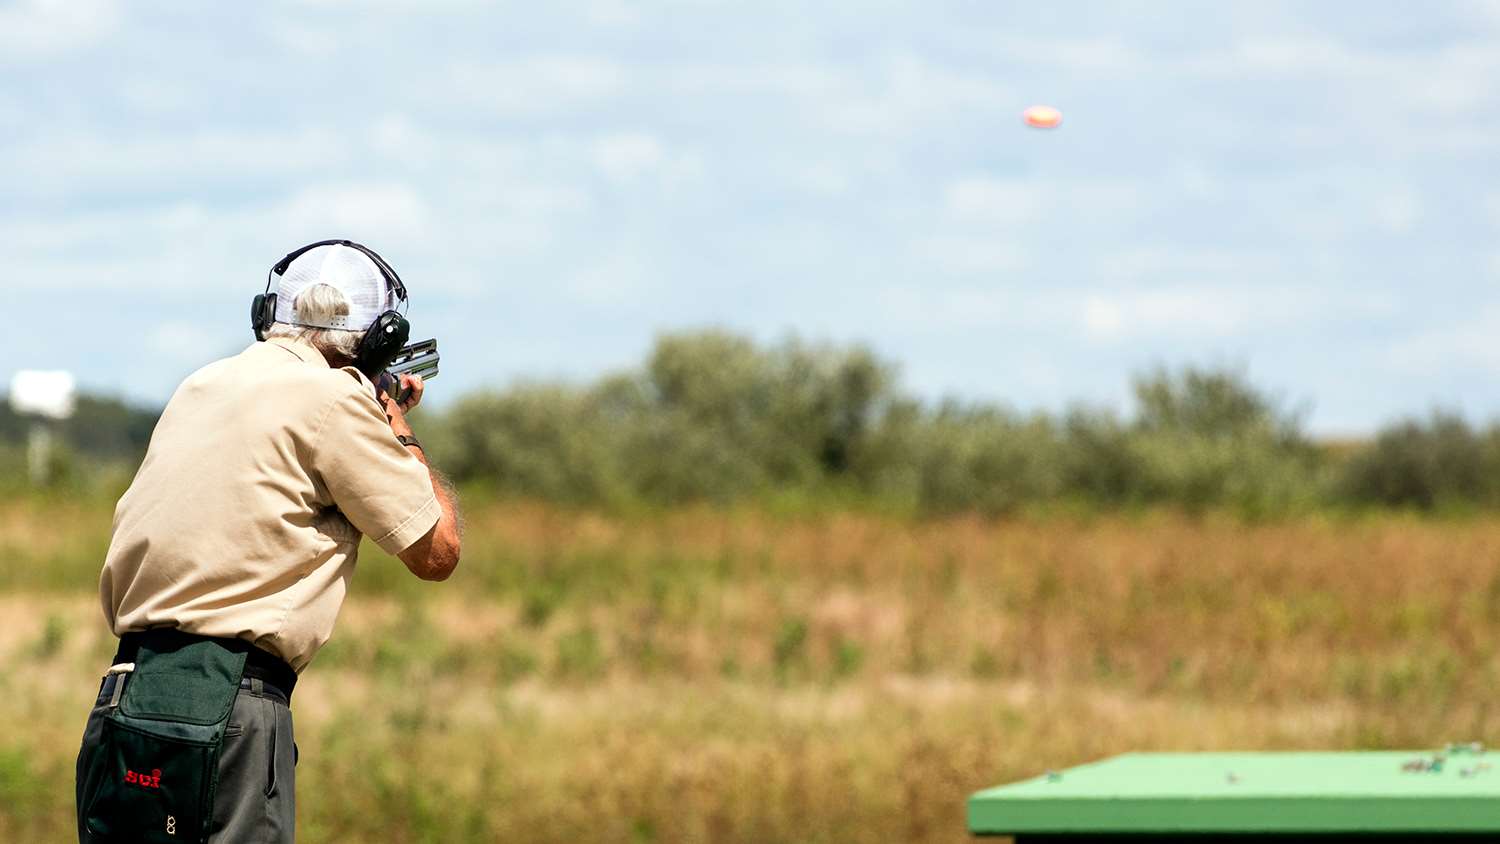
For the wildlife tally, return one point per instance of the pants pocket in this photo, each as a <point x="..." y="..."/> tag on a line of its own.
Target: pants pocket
<point x="273" y="733"/>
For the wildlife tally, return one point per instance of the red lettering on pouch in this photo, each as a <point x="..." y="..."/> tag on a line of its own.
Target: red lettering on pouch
<point x="151" y="780"/>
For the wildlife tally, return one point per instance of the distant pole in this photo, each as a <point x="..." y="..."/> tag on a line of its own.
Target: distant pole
<point x="39" y="454"/>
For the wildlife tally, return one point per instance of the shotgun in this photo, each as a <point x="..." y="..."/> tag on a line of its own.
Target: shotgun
<point x="420" y="358"/>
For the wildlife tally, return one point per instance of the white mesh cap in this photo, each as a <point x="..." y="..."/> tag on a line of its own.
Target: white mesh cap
<point x="350" y="271"/>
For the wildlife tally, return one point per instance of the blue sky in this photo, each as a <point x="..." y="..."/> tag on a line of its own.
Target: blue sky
<point x="1307" y="191"/>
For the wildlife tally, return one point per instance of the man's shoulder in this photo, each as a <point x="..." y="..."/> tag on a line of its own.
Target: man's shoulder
<point x="343" y="393"/>
<point x="345" y="388"/>
<point x="351" y="378"/>
<point x="280" y="376"/>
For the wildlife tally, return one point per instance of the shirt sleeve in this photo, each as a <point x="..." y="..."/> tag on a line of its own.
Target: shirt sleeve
<point x="378" y="484"/>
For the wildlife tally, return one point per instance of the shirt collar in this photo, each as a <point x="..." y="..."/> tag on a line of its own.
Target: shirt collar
<point x="303" y="351"/>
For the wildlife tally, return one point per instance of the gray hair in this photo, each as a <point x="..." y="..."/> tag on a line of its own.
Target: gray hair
<point x="318" y="303"/>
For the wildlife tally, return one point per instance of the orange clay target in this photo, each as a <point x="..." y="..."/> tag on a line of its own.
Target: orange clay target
<point x="1042" y="117"/>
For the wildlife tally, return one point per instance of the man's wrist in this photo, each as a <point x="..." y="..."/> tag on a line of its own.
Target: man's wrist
<point x="409" y="441"/>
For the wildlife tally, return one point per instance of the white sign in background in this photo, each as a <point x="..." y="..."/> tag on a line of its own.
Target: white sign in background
<point x="48" y="393"/>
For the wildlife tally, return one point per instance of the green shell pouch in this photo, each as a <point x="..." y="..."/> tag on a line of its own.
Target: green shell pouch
<point x="152" y="776"/>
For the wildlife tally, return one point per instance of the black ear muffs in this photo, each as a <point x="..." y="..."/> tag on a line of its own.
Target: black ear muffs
<point x="262" y="314"/>
<point x="385" y="336"/>
<point x="381" y="343"/>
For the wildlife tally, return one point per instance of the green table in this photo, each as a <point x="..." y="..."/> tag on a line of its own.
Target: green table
<point x="1397" y="796"/>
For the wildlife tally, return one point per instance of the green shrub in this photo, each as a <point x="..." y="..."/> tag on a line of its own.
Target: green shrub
<point x="1208" y="438"/>
<point x="981" y="458"/>
<point x="542" y="440"/>
<point x="1439" y="462"/>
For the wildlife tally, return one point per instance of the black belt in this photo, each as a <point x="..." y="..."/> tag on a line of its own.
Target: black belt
<point x="261" y="665"/>
<point x="107" y="687"/>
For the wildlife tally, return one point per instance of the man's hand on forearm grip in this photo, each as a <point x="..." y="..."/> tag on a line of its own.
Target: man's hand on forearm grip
<point x="396" y="411"/>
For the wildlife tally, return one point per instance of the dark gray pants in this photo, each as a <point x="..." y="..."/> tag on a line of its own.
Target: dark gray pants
<point x="255" y="803"/>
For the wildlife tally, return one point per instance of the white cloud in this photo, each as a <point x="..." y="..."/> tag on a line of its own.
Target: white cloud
<point x="985" y="200"/>
<point x="398" y="5"/>
<point x="1179" y="311"/>
<point x="156" y="95"/>
<point x="359" y="211"/>
<point x="988" y="202"/>
<point x="1295" y="56"/>
<point x="789" y="79"/>
<point x="484" y="162"/>
<point x="908" y="94"/>
<point x="1103" y="317"/>
<point x="1207" y="310"/>
<point x="1106" y="199"/>
<point x="1470" y="343"/>
<point x="1089" y="56"/>
<point x="1456" y="79"/>
<point x="971" y="254"/>
<point x="536" y="85"/>
<point x="941" y="310"/>
<point x="157" y="266"/>
<point x="1492" y="208"/>
<point x="502" y="232"/>
<point x="1156" y="264"/>
<point x="611" y="13"/>
<point x="78" y="160"/>
<point x="536" y="200"/>
<point x="39" y="29"/>
<point x="625" y="156"/>
<point x="100" y="234"/>
<point x="824" y="178"/>
<point x="620" y="276"/>
<point x="303" y="39"/>
<point x="12" y="114"/>
<point x="397" y="137"/>
<point x="1198" y="181"/>
<point x="182" y="246"/>
<point x="1447" y="81"/>
<point x="1397" y="213"/>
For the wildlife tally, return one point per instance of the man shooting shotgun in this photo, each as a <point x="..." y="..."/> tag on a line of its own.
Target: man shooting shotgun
<point x="234" y="545"/>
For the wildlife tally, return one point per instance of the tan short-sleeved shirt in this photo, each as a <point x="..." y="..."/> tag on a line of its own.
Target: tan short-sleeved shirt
<point x="245" y="517"/>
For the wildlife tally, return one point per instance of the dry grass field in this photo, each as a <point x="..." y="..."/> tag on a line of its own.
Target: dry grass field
<point x="742" y="676"/>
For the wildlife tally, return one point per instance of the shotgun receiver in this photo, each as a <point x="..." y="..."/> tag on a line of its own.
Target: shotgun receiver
<point x="420" y="358"/>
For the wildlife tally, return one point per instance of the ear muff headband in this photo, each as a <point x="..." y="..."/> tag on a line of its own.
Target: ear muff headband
<point x="393" y="281"/>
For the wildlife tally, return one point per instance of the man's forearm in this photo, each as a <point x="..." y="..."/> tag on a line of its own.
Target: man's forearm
<point x="443" y="488"/>
<point x="434" y="556"/>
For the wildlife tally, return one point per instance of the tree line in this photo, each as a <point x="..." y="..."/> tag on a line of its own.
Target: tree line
<point x="711" y="416"/>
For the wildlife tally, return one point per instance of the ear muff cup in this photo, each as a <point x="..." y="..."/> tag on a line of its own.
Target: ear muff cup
<point x="382" y="342"/>
<point x="262" y="314"/>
